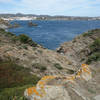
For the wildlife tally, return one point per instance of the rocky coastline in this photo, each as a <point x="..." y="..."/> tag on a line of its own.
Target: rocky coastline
<point x="23" y="63"/>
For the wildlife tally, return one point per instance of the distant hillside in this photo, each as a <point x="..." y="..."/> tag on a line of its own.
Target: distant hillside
<point x="48" y="17"/>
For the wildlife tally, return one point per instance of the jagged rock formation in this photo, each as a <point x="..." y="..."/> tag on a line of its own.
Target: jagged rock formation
<point x="59" y="87"/>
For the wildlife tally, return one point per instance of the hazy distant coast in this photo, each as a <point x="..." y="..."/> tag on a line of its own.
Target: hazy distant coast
<point x="43" y="17"/>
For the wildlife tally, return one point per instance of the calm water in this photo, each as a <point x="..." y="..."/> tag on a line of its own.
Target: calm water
<point x="52" y="33"/>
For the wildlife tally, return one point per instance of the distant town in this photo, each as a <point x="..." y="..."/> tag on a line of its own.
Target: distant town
<point x="20" y="16"/>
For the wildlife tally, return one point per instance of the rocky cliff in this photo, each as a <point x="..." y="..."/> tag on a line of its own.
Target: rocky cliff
<point x="22" y="60"/>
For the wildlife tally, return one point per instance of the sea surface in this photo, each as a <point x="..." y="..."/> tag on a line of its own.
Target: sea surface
<point x="51" y="34"/>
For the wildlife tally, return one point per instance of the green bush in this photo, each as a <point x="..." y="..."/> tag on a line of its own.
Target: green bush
<point x="89" y="33"/>
<point x="2" y="30"/>
<point x="96" y="45"/>
<point x="23" y="38"/>
<point x="71" y="71"/>
<point x="25" y="47"/>
<point x="58" y="66"/>
<point x="11" y="93"/>
<point x="39" y="66"/>
<point x="95" y="52"/>
<point x="93" y="57"/>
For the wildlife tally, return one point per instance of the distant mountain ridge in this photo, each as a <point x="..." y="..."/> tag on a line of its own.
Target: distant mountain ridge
<point x="48" y="17"/>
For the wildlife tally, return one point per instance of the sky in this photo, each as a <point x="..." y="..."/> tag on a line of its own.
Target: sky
<point x="52" y="7"/>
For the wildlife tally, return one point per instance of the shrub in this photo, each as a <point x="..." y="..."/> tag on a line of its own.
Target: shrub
<point x="96" y="45"/>
<point x="58" y="66"/>
<point x="95" y="52"/>
<point x="23" y="38"/>
<point x="25" y="47"/>
<point x="71" y="71"/>
<point x="2" y="30"/>
<point x="89" y="33"/>
<point x="32" y="43"/>
<point x="39" y="66"/>
<point x="93" y="57"/>
<point x="11" y="93"/>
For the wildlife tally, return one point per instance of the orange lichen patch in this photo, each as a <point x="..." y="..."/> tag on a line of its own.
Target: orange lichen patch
<point x="41" y="83"/>
<point x="48" y="77"/>
<point x="32" y="90"/>
<point x="85" y="68"/>
<point x="84" y="65"/>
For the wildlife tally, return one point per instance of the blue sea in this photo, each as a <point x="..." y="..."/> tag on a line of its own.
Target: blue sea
<point x="51" y="34"/>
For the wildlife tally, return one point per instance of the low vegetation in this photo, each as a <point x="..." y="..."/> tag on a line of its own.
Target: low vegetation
<point x="91" y="32"/>
<point x="22" y="38"/>
<point x="58" y="66"/>
<point x="25" y="39"/>
<point x="95" y="52"/>
<point x="39" y="66"/>
<point x="87" y="34"/>
<point x="14" y="79"/>
<point x="2" y="31"/>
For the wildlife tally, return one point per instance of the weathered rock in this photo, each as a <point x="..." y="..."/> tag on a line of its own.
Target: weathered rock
<point x="47" y="89"/>
<point x="30" y="24"/>
<point x="97" y="97"/>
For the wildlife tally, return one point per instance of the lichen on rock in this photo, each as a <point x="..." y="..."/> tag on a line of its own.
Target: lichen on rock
<point x="45" y="91"/>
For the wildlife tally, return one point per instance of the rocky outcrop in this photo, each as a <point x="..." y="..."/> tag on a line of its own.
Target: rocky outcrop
<point x="15" y="25"/>
<point x="4" y="24"/>
<point x="30" y="24"/>
<point x="60" y="87"/>
<point x="82" y="85"/>
<point x="78" y="49"/>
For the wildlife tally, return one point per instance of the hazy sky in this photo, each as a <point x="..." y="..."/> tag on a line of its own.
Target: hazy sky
<point x="52" y="7"/>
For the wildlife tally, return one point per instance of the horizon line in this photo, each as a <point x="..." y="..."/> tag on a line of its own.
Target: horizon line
<point x="46" y="15"/>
